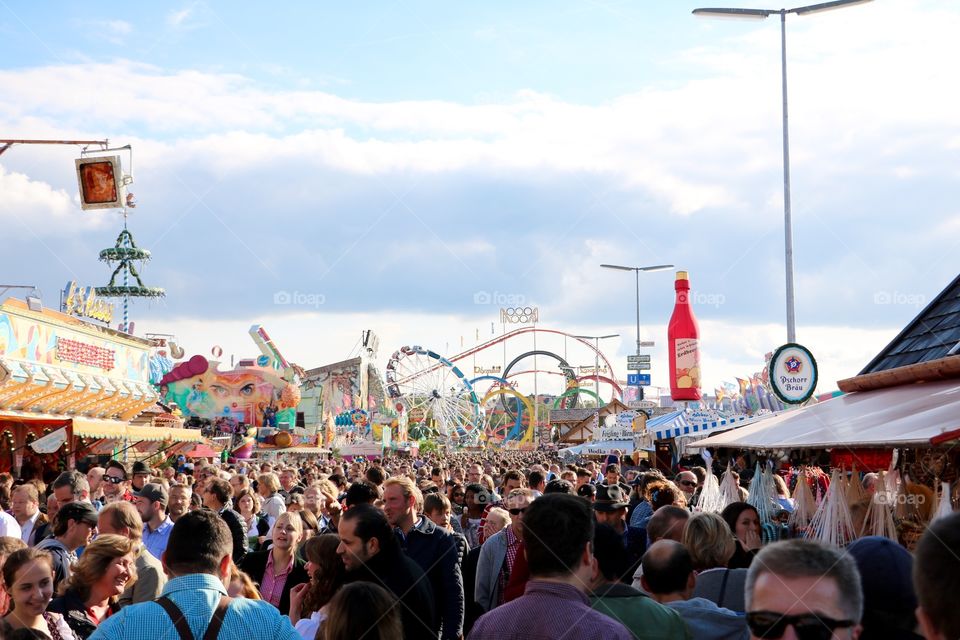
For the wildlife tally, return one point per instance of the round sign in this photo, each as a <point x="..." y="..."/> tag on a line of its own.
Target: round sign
<point x="262" y="361"/>
<point x="793" y="373"/>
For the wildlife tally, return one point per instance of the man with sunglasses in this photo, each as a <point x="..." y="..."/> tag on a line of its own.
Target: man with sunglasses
<point x="803" y="590"/>
<point x="115" y="485"/>
<point x="499" y="553"/>
<point x="687" y="481"/>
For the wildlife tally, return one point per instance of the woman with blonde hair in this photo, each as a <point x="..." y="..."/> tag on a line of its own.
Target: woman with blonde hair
<point x="711" y="545"/>
<point x="278" y="569"/>
<point x="96" y="581"/>
<point x="28" y="579"/>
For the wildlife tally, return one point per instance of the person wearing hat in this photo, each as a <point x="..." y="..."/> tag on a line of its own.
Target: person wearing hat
<point x="889" y="601"/>
<point x="610" y="508"/>
<point x="73" y="527"/>
<point x="141" y="473"/>
<point x="151" y="501"/>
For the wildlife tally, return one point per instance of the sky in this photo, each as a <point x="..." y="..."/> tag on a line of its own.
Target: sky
<point x="412" y="167"/>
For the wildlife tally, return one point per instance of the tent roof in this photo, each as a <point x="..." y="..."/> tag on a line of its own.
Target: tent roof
<point x="909" y="415"/>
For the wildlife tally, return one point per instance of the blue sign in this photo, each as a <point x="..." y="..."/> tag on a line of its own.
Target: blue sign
<point x="638" y="379"/>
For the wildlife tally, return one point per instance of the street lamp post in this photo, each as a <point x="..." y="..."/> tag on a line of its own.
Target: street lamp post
<point x="637" y="270"/>
<point x="596" y="359"/>
<point x="761" y="14"/>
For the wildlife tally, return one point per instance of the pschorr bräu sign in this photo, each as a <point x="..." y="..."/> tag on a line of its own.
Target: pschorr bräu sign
<point x="793" y="373"/>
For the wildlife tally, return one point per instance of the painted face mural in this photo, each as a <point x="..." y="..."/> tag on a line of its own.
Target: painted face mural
<point x="246" y="395"/>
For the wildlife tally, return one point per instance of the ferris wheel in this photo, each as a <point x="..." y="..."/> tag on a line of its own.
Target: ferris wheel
<point x="434" y="393"/>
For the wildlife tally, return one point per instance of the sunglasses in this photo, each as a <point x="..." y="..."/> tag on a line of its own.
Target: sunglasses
<point x="114" y="479"/>
<point x="516" y="512"/>
<point x="809" y="626"/>
<point x="688" y="483"/>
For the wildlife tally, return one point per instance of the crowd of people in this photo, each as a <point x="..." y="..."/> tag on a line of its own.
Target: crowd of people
<point x="484" y="546"/>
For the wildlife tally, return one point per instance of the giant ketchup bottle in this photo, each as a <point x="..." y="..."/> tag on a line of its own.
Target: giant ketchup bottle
<point x="683" y="337"/>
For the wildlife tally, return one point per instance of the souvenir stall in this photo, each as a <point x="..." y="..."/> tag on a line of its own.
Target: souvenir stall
<point x="901" y="425"/>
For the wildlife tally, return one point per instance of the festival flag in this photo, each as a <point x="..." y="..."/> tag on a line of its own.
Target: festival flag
<point x="50" y="442"/>
<point x="720" y="395"/>
<point x="743" y="386"/>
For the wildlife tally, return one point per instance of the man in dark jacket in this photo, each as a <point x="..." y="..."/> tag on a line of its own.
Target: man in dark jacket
<point x="216" y="493"/>
<point x="429" y="546"/>
<point x="371" y="553"/>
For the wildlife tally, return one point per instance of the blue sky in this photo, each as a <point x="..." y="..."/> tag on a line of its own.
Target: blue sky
<point x="395" y="159"/>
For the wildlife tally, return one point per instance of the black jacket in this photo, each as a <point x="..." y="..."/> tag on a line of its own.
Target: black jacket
<point x="74" y="612"/>
<point x="472" y="610"/>
<point x="436" y="551"/>
<point x="238" y="531"/>
<point x="41" y="530"/>
<point x="255" y="565"/>
<point x="401" y="576"/>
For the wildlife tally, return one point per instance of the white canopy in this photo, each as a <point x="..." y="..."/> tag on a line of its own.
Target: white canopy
<point x="598" y="448"/>
<point x="921" y="414"/>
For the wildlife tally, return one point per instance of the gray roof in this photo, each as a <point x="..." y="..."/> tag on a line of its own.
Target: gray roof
<point x="933" y="334"/>
<point x="570" y="415"/>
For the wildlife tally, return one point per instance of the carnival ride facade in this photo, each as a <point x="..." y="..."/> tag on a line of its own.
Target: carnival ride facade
<point x="434" y="395"/>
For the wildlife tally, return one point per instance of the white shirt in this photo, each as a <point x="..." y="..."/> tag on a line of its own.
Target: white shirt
<point x="26" y="529"/>
<point x="8" y="525"/>
<point x="308" y="627"/>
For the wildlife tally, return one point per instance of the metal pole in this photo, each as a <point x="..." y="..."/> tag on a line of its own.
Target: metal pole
<point x="596" y="368"/>
<point x="787" y="217"/>
<point x="637" y="272"/>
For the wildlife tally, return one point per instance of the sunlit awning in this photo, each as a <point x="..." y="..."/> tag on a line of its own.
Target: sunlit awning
<point x="143" y="433"/>
<point x="104" y="429"/>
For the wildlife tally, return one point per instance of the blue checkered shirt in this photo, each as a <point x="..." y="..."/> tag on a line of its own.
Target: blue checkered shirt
<point x="197" y="595"/>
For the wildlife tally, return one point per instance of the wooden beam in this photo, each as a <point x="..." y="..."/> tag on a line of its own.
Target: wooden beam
<point x="939" y="369"/>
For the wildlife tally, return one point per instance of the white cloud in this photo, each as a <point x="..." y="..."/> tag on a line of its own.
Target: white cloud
<point x="40" y="210"/>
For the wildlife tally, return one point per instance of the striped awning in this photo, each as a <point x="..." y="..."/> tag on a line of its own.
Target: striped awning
<point x="678" y="425"/>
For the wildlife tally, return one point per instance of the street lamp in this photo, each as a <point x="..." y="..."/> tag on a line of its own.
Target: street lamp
<point x="637" y="270"/>
<point x="760" y="14"/>
<point x="596" y="360"/>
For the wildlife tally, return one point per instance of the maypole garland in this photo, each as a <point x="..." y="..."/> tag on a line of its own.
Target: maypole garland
<point x="124" y="253"/>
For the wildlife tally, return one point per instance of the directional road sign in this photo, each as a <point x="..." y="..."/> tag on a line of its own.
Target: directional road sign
<point x="638" y="379"/>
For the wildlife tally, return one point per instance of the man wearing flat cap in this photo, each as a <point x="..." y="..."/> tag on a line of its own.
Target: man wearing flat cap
<point x="151" y="502"/>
